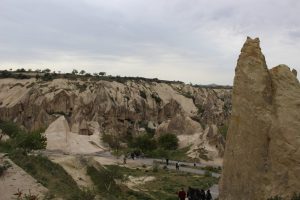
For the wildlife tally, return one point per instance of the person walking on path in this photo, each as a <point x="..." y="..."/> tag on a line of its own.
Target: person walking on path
<point x="181" y="194"/>
<point x="132" y="155"/>
<point x="177" y="165"/>
<point x="167" y="161"/>
<point x="124" y="159"/>
<point x="202" y="194"/>
<point x="208" y="195"/>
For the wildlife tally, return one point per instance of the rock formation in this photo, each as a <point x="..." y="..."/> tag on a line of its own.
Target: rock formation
<point x="120" y="108"/>
<point x="262" y="154"/>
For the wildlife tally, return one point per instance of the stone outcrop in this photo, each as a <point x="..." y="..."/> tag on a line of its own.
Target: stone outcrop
<point x="118" y="108"/>
<point x="262" y="154"/>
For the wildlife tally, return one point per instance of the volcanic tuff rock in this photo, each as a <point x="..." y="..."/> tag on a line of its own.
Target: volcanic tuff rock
<point x="131" y="107"/>
<point x="262" y="155"/>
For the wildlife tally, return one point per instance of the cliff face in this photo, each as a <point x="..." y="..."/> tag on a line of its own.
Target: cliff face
<point x="262" y="155"/>
<point x="123" y="109"/>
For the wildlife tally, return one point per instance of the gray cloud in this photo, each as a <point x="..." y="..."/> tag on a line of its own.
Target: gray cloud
<point x="194" y="41"/>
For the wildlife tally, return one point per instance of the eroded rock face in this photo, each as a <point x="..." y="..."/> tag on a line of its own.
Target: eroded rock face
<point x="262" y="155"/>
<point x="113" y="107"/>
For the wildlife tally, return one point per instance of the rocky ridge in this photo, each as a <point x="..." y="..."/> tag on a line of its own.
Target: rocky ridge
<point x="123" y="109"/>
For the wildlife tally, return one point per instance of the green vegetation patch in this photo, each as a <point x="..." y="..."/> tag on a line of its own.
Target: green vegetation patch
<point x="21" y="139"/>
<point x="223" y="130"/>
<point x="166" y="183"/>
<point x="108" y="182"/>
<point x="49" y="174"/>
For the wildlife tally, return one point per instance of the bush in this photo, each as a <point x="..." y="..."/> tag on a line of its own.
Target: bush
<point x="275" y="198"/>
<point x="223" y="130"/>
<point x="84" y="194"/>
<point x="168" y="141"/>
<point x="155" y="167"/>
<point x="112" y="141"/>
<point x="47" y="77"/>
<point x="10" y="128"/>
<point x="208" y="174"/>
<point x="158" y="153"/>
<point x="104" y="179"/>
<point x="296" y="196"/>
<point x="21" y="139"/>
<point x="156" y="98"/>
<point x="143" y="94"/>
<point x="4" y="167"/>
<point x="31" y="141"/>
<point x="144" y="142"/>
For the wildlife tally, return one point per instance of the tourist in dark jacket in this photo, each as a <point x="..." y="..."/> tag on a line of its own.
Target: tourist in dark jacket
<point x="208" y="195"/>
<point x="181" y="194"/>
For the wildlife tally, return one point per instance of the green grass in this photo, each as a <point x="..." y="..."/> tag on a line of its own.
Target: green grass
<point x="166" y="183"/>
<point x="105" y="181"/>
<point x="49" y="174"/>
<point x="178" y="154"/>
<point x="212" y="169"/>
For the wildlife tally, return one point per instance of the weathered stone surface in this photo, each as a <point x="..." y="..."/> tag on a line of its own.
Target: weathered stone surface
<point x="116" y="108"/>
<point x="262" y="156"/>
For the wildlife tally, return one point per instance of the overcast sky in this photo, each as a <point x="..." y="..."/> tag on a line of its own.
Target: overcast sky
<point x="194" y="41"/>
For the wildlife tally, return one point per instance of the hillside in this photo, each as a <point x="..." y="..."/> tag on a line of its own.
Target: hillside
<point x="125" y="109"/>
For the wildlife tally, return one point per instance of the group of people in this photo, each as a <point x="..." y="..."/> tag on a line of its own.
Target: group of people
<point x="133" y="155"/>
<point x="194" y="194"/>
<point x="176" y="164"/>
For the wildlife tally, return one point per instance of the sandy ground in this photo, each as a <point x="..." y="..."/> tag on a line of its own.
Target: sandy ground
<point x="16" y="179"/>
<point x="76" y="167"/>
<point x="134" y="182"/>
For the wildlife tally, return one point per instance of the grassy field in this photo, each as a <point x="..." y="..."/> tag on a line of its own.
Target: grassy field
<point x="164" y="186"/>
<point x="50" y="175"/>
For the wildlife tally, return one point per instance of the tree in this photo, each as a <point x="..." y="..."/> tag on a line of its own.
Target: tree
<point x="144" y="142"/>
<point x="82" y="72"/>
<point x="46" y="70"/>
<point x="74" y="72"/>
<point x="168" y="141"/>
<point x="21" y="70"/>
<point x="102" y="73"/>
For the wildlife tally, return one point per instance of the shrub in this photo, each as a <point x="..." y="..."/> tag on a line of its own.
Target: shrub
<point x="4" y="167"/>
<point x="6" y="74"/>
<point x="156" y="98"/>
<point x="158" y="153"/>
<point x="31" y="141"/>
<point x="111" y="140"/>
<point x="47" y="77"/>
<point x="208" y="174"/>
<point x="143" y="94"/>
<point x="223" y="130"/>
<point x="84" y="194"/>
<point x="275" y="198"/>
<point x="155" y="167"/>
<point x="144" y="142"/>
<point x="200" y="109"/>
<point x="296" y="196"/>
<point x="10" y="128"/>
<point x="21" y="139"/>
<point x="168" y="141"/>
<point x="104" y="179"/>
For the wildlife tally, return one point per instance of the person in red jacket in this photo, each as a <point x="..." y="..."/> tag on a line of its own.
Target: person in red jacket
<point x="181" y="194"/>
